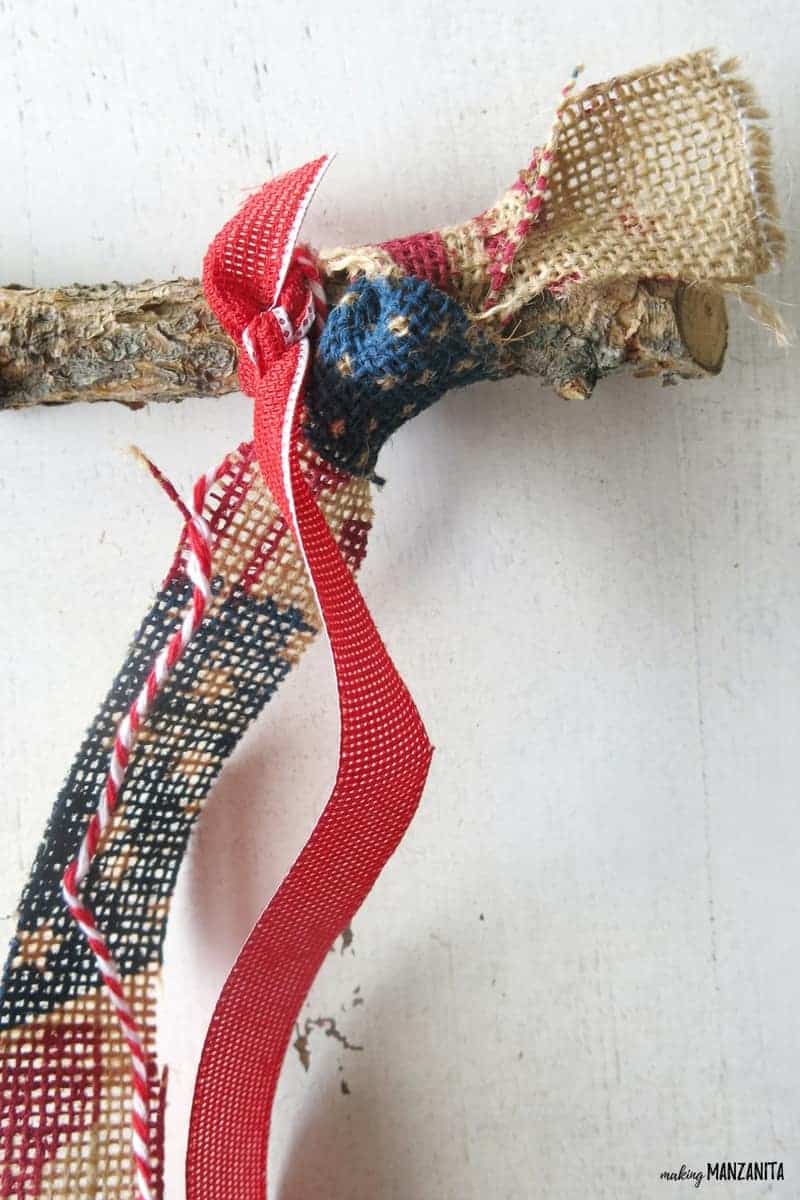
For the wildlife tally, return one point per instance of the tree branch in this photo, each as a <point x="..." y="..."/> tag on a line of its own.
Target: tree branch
<point x="148" y="342"/>
<point x="134" y="344"/>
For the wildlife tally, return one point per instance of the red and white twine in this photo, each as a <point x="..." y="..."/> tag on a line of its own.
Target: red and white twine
<point x="304" y="260"/>
<point x="198" y="570"/>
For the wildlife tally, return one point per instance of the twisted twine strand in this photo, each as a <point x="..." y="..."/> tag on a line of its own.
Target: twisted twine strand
<point x="308" y="266"/>
<point x="198" y="570"/>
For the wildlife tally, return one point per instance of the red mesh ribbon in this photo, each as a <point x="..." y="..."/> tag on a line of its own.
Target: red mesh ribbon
<point x="253" y="287"/>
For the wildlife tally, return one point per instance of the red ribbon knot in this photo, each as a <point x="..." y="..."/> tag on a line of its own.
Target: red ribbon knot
<point x="263" y="293"/>
<point x="272" y="331"/>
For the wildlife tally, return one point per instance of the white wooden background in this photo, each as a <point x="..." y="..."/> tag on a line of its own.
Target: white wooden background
<point x="581" y="968"/>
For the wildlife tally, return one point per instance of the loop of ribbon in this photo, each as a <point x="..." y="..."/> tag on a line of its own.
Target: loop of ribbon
<point x="262" y="296"/>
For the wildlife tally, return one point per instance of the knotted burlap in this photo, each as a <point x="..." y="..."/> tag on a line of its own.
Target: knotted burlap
<point x="662" y="173"/>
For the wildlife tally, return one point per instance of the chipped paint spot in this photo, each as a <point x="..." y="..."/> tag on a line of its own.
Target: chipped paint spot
<point x="302" y="1043"/>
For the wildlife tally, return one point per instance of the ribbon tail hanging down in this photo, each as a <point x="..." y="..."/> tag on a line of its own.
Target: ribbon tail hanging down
<point x="262" y="299"/>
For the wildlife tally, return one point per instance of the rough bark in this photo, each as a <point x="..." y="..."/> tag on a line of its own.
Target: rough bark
<point x="134" y="344"/>
<point x="657" y="327"/>
<point x="159" y="341"/>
